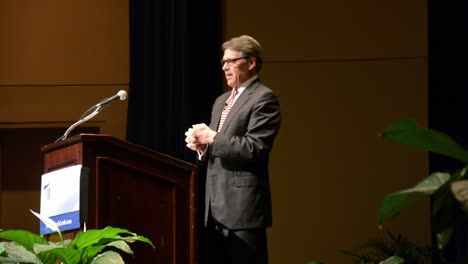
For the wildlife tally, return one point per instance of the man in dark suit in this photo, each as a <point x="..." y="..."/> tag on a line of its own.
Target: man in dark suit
<point x="236" y="145"/>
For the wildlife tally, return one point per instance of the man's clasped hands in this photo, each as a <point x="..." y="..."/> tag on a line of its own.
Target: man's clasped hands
<point x="199" y="136"/>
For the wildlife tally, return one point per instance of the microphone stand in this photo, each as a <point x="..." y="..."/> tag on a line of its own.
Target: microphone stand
<point x="96" y="111"/>
<point x="122" y="94"/>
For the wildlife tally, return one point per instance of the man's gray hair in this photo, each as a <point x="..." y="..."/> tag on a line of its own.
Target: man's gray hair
<point x="248" y="46"/>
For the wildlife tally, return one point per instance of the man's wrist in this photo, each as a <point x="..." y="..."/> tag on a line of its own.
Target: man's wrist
<point x="212" y="136"/>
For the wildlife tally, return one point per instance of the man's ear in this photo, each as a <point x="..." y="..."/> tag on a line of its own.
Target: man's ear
<point x="252" y="63"/>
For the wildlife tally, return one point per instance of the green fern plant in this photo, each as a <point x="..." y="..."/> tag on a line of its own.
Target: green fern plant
<point x="393" y="249"/>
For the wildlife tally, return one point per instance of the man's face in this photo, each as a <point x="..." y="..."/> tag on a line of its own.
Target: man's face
<point x="237" y="68"/>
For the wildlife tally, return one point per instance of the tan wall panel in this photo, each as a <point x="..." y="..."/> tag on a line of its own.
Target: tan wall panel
<point x="61" y="106"/>
<point x="64" y="42"/>
<point x="329" y="169"/>
<point x="301" y="30"/>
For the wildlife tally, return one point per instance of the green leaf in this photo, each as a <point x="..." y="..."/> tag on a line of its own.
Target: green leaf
<point x="108" y="257"/>
<point x="103" y="236"/>
<point x="394" y="203"/>
<point x="91" y="251"/>
<point x="122" y="245"/>
<point x="43" y="251"/>
<point x="94" y="236"/>
<point x="22" y="237"/>
<point x="131" y="239"/>
<point x="2" y="247"/>
<point x="19" y="254"/>
<point x="460" y="192"/>
<point x="39" y="248"/>
<point x="444" y="202"/>
<point x="393" y="260"/>
<point x="409" y="133"/>
<point x="67" y="255"/>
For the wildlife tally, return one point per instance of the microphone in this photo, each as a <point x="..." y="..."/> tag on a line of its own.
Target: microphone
<point x="121" y="95"/>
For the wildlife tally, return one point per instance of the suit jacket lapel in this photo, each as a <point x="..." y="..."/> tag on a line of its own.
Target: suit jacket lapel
<point x="243" y="98"/>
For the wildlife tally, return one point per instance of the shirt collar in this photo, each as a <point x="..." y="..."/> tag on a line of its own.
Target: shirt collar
<point x="247" y="83"/>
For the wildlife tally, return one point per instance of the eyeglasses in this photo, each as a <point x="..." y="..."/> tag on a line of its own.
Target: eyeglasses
<point x="231" y="61"/>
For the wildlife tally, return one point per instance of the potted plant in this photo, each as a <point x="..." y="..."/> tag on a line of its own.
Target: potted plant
<point x="89" y="247"/>
<point x="446" y="189"/>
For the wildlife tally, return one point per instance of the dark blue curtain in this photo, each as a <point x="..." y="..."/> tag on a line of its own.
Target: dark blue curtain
<point x="174" y="71"/>
<point x="448" y="97"/>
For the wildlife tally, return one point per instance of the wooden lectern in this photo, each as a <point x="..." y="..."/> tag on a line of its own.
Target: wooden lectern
<point x="138" y="189"/>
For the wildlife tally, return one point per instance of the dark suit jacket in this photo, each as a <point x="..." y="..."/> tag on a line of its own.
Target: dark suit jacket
<point x="237" y="184"/>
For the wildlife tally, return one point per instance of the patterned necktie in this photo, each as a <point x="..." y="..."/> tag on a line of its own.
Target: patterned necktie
<point x="227" y="108"/>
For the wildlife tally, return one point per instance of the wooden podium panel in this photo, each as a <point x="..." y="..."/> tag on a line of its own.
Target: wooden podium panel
<point x="138" y="189"/>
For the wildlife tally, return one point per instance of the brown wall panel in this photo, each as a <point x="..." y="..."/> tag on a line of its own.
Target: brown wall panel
<point x="59" y="58"/>
<point x="15" y="212"/>
<point x="55" y="42"/>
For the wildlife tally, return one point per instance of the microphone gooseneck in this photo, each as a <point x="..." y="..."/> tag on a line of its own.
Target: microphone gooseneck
<point x="121" y="95"/>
